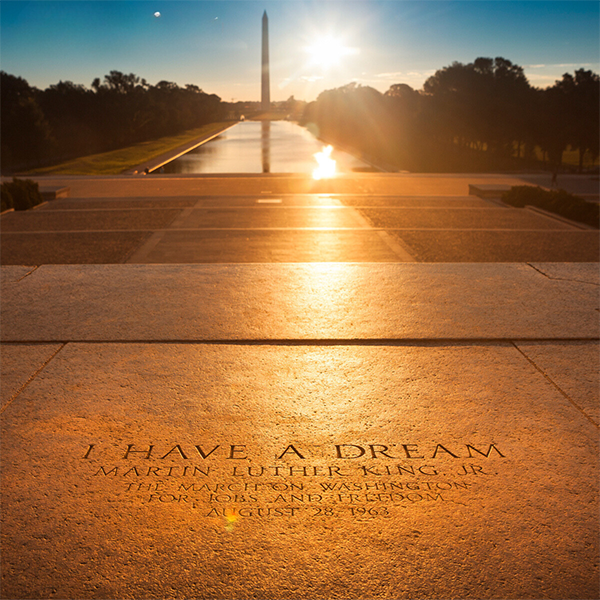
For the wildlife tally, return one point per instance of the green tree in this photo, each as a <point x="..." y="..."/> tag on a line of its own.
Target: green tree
<point x="486" y="103"/>
<point x="579" y="101"/>
<point x="68" y="107"/>
<point x="26" y="135"/>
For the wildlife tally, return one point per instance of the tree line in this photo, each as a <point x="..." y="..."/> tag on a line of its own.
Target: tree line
<point x="67" y="120"/>
<point x="483" y="115"/>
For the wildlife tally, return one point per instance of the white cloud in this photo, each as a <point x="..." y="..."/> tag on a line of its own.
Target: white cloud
<point x="560" y="65"/>
<point x="397" y="76"/>
<point x="311" y="78"/>
<point x="390" y="75"/>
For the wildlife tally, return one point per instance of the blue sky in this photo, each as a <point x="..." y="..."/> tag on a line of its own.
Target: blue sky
<point x="216" y="45"/>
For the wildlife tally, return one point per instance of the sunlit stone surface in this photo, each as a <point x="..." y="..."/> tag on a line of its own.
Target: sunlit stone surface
<point x="195" y="471"/>
<point x="378" y="429"/>
<point x="300" y="302"/>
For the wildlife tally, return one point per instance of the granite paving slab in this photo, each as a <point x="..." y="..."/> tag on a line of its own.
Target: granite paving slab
<point x="399" y="201"/>
<point x="460" y="218"/>
<point x="268" y="216"/>
<point x="14" y="273"/>
<point x="264" y="246"/>
<point x="120" y="203"/>
<point x="75" y="247"/>
<point x="200" y="201"/>
<point x="589" y="273"/>
<point x="281" y="199"/>
<point x="574" y="367"/>
<point x="270" y="200"/>
<point x="291" y="301"/>
<point x="306" y="201"/>
<point x="502" y="246"/>
<point x="157" y="471"/>
<point x="73" y="220"/>
<point x="20" y="363"/>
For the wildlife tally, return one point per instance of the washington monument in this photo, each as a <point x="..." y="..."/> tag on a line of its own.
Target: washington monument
<point x="265" y="87"/>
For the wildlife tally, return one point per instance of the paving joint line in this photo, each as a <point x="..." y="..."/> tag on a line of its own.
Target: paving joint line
<point x="33" y="376"/>
<point x="315" y="229"/>
<point x="551" y="381"/>
<point x="35" y="268"/>
<point x="145" y="240"/>
<point x="249" y="207"/>
<point x="312" y="341"/>
<point x="398" y="247"/>
<point x="269" y="206"/>
<point x="52" y="211"/>
<point x="561" y="278"/>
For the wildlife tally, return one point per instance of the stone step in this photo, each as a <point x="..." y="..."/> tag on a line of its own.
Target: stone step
<point x="59" y="303"/>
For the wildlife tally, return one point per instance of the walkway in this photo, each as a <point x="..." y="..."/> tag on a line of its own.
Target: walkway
<point x="416" y="419"/>
<point x="376" y="218"/>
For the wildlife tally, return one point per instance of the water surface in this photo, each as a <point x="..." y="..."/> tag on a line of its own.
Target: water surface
<point x="260" y="147"/>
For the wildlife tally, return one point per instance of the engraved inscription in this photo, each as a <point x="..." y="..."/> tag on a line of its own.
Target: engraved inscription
<point x="228" y="481"/>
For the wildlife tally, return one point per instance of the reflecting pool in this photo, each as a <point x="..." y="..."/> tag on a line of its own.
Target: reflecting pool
<point x="260" y="147"/>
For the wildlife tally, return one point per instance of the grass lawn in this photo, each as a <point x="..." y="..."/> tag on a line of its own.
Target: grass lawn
<point x="117" y="161"/>
<point x="570" y="158"/>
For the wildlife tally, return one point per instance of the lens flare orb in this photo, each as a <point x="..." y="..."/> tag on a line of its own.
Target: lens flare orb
<point x="230" y="520"/>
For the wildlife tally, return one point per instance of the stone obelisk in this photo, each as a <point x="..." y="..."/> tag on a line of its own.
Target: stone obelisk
<point x="265" y="87"/>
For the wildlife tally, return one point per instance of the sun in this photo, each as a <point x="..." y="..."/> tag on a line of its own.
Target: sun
<point x="327" y="52"/>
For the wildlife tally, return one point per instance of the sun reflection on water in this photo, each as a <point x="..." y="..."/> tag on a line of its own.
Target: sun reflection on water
<point x="326" y="165"/>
